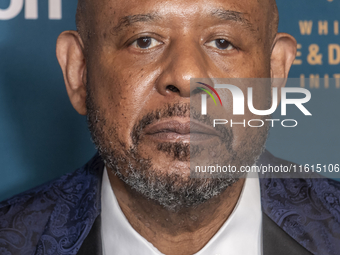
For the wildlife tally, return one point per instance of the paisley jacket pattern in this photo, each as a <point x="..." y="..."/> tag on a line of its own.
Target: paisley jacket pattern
<point x="54" y="218"/>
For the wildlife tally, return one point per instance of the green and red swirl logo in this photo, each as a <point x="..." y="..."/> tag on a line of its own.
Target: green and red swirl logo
<point x="209" y="93"/>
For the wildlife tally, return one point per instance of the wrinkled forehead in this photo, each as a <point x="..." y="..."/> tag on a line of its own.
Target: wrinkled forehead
<point x="110" y="13"/>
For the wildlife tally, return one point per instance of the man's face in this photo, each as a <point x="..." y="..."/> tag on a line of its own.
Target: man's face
<point x="140" y="58"/>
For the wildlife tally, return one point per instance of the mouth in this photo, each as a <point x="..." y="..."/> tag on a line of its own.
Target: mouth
<point x="180" y="130"/>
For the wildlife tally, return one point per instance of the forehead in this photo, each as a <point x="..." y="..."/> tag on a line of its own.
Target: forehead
<point x="111" y="12"/>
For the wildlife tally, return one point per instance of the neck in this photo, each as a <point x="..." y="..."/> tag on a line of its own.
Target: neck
<point x="182" y="232"/>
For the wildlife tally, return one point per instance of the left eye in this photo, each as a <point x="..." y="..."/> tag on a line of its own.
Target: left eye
<point x="145" y="43"/>
<point x="221" y="44"/>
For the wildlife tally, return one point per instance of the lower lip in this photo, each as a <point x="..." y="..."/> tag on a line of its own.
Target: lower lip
<point x="176" y="137"/>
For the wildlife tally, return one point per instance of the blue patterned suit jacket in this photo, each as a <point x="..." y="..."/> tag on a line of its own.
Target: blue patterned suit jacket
<point x="301" y="216"/>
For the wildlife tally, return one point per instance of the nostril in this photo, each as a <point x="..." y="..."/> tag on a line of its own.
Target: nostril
<point x="172" y="88"/>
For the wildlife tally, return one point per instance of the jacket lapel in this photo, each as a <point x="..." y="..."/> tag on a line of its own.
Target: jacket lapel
<point x="92" y="244"/>
<point x="77" y="207"/>
<point x="277" y="241"/>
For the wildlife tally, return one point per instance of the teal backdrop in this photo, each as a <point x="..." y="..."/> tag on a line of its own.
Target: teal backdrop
<point x="42" y="137"/>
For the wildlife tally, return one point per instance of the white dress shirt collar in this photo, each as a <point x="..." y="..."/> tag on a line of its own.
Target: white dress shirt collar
<point x="241" y="234"/>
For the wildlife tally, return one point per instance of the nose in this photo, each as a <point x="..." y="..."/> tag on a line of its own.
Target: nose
<point x="185" y="60"/>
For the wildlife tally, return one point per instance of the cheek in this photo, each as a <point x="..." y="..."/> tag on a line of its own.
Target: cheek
<point x="254" y="66"/>
<point x="251" y="64"/>
<point x="122" y="95"/>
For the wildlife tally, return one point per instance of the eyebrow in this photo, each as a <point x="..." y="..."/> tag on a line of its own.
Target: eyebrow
<point x="222" y="14"/>
<point x="129" y="20"/>
<point x="235" y="16"/>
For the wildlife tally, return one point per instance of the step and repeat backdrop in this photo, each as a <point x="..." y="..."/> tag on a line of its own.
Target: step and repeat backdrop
<point x="316" y="139"/>
<point x="42" y="137"/>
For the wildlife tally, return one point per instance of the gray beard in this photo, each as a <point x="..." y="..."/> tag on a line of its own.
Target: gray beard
<point x="171" y="191"/>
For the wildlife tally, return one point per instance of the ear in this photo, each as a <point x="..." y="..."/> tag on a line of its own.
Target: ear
<point x="282" y="57"/>
<point x="72" y="62"/>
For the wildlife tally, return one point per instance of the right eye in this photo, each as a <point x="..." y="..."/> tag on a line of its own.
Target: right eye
<point x="145" y="43"/>
<point x="221" y="44"/>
